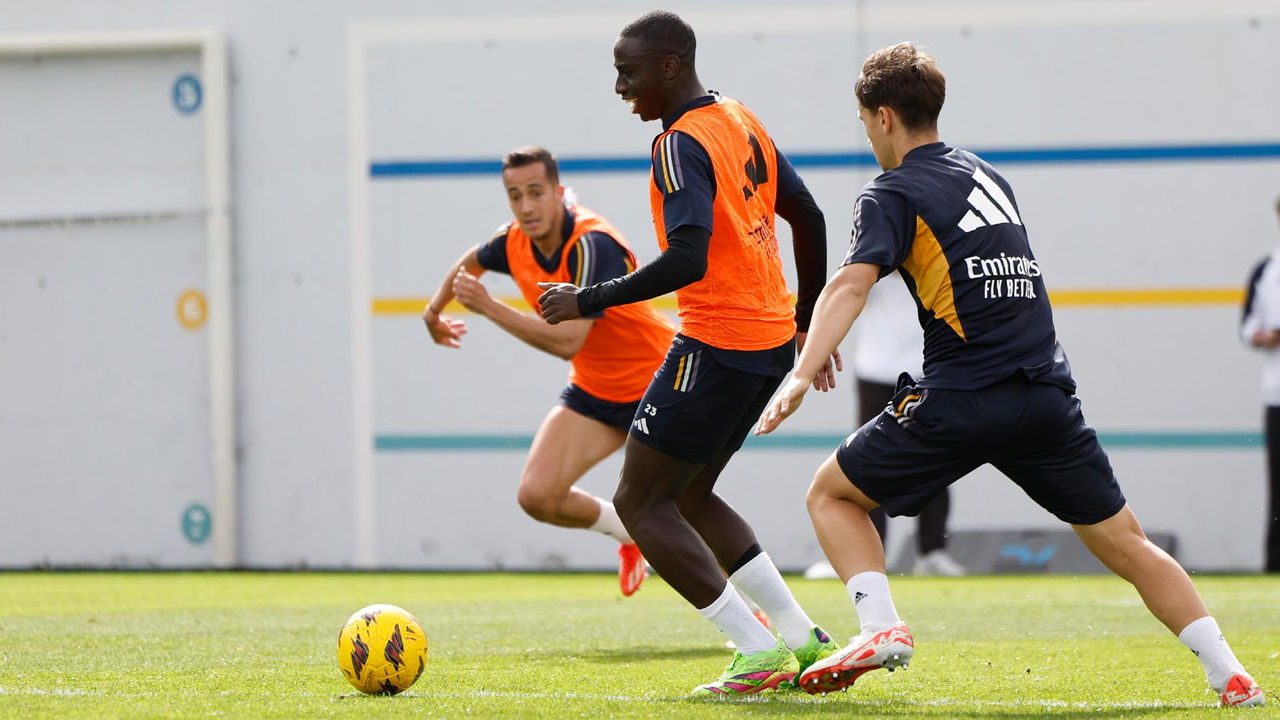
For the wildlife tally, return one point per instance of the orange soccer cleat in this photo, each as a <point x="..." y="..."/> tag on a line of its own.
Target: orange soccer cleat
<point x="631" y="568"/>
<point x="1242" y="691"/>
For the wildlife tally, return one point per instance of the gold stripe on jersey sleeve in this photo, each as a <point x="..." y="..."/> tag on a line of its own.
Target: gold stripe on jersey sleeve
<point x="928" y="266"/>
<point x="665" y="160"/>
<point x="584" y="258"/>
<point x="680" y="372"/>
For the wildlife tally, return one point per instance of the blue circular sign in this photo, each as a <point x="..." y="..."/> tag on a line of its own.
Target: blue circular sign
<point x="187" y="94"/>
<point x="197" y="523"/>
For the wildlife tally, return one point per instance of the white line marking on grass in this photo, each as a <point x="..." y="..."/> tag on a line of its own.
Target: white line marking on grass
<point x="790" y="698"/>
<point x="42" y="691"/>
<point x="801" y="698"/>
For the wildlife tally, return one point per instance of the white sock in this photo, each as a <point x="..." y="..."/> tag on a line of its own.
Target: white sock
<point x="610" y="524"/>
<point x="730" y="615"/>
<point x="760" y="580"/>
<point x="869" y="592"/>
<point x="1205" y="640"/>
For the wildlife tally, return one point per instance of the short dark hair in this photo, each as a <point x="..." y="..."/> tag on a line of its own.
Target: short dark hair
<point x="905" y="79"/>
<point x="666" y="33"/>
<point x="533" y="154"/>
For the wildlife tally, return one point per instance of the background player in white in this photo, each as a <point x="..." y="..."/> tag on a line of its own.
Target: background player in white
<point x="996" y="389"/>
<point x="1260" y="329"/>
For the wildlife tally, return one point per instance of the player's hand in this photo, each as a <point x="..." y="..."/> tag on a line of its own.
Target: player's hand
<point x="444" y="329"/>
<point x="826" y="378"/>
<point x="469" y="291"/>
<point x="559" y="302"/>
<point x="786" y="402"/>
<point x="1266" y="339"/>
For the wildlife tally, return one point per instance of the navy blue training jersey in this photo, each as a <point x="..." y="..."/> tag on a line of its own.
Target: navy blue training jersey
<point x="949" y="222"/>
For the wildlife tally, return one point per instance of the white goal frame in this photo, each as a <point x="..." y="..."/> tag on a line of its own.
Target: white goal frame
<point x="212" y="47"/>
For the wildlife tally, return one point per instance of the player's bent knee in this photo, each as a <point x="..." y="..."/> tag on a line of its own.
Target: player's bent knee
<point x="830" y="484"/>
<point x="815" y="496"/>
<point x="538" y="503"/>
<point x="626" y="503"/>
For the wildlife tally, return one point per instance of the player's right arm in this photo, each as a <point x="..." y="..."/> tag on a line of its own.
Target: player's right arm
<point x="687" y="209"/>
<point x="445" y="330"/>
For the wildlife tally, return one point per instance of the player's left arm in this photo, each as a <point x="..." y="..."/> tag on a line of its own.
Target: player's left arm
<point x="809" y="245"/>
<point x="839" y="304"/>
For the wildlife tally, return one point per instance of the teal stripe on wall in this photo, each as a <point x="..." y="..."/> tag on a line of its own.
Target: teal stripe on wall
<point x="1120" y="440"/>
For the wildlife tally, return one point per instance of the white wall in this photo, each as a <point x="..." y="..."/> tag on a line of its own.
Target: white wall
<point x="321" y="90"/>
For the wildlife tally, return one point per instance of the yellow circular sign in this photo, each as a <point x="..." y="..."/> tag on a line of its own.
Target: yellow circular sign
<point x="192" y="309"/>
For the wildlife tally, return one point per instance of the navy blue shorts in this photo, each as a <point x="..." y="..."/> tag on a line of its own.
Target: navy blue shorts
<point x="697" y="407"/>
<point x="614" y="414"/>
<point x="1032" y="432"/>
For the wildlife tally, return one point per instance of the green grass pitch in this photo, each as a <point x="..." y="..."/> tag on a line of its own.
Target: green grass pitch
<point x="262" y="645"/>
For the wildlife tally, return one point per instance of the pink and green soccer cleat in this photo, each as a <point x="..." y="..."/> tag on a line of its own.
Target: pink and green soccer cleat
<point x="819" y="646"/>
<point x="749" y="674"/>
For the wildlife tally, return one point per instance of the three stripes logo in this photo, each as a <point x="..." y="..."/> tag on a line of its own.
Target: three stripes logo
<point x="641" y="425"/>
<point x="687" y="371"/>
<point x="667" y="173"/>
<point x="988" y="205"/>
<point x="903" y="412"/>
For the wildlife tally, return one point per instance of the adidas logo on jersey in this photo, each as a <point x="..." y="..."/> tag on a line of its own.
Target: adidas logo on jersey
<point x="641" y="425"/>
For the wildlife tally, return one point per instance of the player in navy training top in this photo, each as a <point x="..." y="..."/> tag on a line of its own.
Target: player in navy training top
<point x="982" y="300"/>
<point x="996" y="387"/>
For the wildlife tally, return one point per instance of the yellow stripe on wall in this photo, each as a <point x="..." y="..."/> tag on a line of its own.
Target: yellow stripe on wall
<point x="416" y="305"/>
<point x="1125" y="297"/>
<point x="1067" y="297"/>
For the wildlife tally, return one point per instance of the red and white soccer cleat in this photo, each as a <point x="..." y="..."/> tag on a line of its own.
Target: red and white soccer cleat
<point x="889" y="649"/>
<point x="1242" y="691"/>
<point x="631" y="568"/>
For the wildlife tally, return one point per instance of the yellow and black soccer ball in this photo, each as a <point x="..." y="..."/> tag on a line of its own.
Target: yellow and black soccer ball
<point x="382" y="650"/>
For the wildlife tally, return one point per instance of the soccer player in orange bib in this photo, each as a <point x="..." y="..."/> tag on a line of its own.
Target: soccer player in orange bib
<point x="612" y="353"/>
<point x="716" y="184"/>
<point x="996" y="386"/>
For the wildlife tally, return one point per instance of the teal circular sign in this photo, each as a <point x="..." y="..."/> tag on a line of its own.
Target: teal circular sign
<point x="197" y="523"/>
<point x="187" y="94"/>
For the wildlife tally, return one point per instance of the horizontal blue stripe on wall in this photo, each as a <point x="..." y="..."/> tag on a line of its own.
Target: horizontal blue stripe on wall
<point x="798" y="441"/>
<point x="1028" y="156"/>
